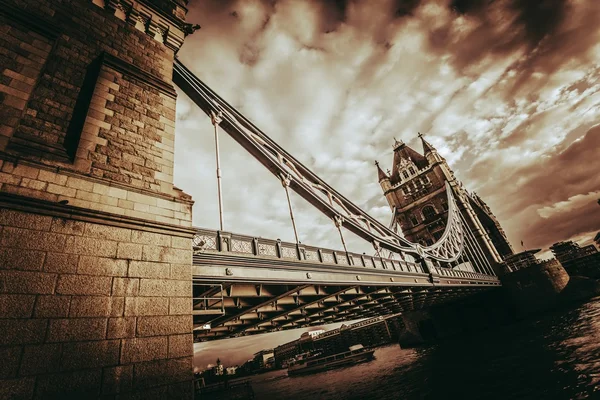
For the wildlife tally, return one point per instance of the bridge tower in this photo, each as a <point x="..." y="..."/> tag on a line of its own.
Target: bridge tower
<point x="95" y="241"/>
<point x="415" y="191"/>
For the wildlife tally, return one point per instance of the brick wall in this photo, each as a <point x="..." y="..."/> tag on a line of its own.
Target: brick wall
<point x="95" y="242"/>
<point x="92" y="309"/>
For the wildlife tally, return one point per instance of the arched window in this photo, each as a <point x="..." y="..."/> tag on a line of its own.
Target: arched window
<point x="405" y="174"/>
<point x="428" y="213"/>
<point x="414" y="221"/>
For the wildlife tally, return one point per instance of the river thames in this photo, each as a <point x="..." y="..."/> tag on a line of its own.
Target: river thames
<point x="553" y="356"/>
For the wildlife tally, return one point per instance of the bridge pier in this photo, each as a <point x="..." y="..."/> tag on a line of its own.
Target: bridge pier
<point x="95" y="242"/>
<point x="475" y="313"/>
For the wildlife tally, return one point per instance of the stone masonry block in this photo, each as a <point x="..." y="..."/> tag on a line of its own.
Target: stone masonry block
<point x="155" y="239"/>
<point x="121" y="328"/>
<point x="166" y="254"/>
<point x="32" y="240"/>
<point x="81" y="184"/>
<point x="129" y="251"/>
<point x="90" y="265"/>
<point x="144" y="349"/>
<point x="108" y="232"/>
<point x="117" y="379"/>
<point x="61" y="263"/>
<point x="21" y="259"/>
<point x="61" y="190"/>
<point x="125" y="286"/>
<point x="94" y="354"/>
<point x="91" y="246"/>
<point x="181" y="271"/>
<point x="146" y="269"/>
<point x="39" y="359"/>
<point x="83" y="384"/>
<point x="26" y="171"/>
<point x="16" y="305"/>
<point x="158" y="287"/>
<point x="20" y="388"/>
<point x="76" y="329"/>
<point x="52" y="177"/>
<point x="96" y="306"/>
<point x="67" y="226"/>
<point x="52" y="306"/>
<point x="138" y="306"/>
<point x="28" y="282"/>
<point x="181" y="345"/>
<point x="10" y="357"/>
<point x="84" y="285"/>
<point x="21" y="331"/>
<point x="164" y="325"/>
<point x="180" y="305"/>
<point x="24" y="220"/>
<point x="181" y="243"/>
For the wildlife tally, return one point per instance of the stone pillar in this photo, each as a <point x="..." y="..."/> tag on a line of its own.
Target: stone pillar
<point x="95" y="242"/>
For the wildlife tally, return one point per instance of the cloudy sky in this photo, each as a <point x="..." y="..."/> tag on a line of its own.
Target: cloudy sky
<point x="507" y="90"/>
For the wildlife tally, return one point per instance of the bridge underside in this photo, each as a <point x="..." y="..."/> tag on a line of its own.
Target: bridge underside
<point x="236" y="295"/>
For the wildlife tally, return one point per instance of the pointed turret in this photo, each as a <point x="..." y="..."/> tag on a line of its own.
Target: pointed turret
<point x="380" y="174"/>
<point x="427" y="147"/>
<point x="429" y="151"/>
<point x="384" y="179"/>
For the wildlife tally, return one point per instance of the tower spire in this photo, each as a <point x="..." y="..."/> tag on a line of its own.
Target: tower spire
<point x="380" y="174"/>
<point x="427" y="147"/>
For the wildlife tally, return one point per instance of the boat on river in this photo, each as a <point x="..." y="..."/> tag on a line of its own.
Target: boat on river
<point x="307" y="363"/>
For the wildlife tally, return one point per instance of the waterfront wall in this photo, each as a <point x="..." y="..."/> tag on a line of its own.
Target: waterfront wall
<point x="95" y="241"/>
<point x="475" y="313"/>
<point x="529" y="290"/>
<point x="536" y="287"/>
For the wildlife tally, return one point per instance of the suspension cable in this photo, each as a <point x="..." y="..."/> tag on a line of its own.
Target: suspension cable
<point x="285" y="182"/>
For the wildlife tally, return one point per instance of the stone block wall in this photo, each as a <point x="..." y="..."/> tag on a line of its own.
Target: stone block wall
<point x="92" y="309"/>
<point x="95" y="242"/>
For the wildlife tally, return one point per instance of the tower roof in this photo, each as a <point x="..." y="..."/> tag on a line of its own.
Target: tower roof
<point x="380" y="174"/>
<point x="403" y="152"/>
<point x="427" y="147"/>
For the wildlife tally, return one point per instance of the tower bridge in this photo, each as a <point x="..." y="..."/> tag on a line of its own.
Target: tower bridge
<point x="104" y="283"/>
<point x="245" y="285"/>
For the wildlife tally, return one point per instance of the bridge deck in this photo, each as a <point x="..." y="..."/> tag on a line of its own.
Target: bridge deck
<point x="245" y="285"/>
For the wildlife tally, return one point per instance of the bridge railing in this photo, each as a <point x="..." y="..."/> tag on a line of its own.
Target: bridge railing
<point x="209" y="240"/>
<point x="457" y="273"/>
<point x="217" y="241"/>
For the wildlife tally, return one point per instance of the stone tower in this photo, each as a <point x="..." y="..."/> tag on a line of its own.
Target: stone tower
<point x="415" y="189"/>
<point x="95" y="241"/>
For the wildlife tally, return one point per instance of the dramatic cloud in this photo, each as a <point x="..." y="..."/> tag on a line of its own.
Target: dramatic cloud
<point x="507" y="90"/>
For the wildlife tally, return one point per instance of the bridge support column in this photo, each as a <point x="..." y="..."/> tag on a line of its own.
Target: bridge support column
<point x="95" y="242"/>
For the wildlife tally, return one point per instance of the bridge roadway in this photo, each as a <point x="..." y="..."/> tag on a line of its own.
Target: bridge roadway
<point x="244" y="285"/>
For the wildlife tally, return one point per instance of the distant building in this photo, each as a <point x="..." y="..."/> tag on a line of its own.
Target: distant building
<point x="569" y="250"/>
<point x="520" y="260"/>
<point x="415" y="190"/>
<point x="577" y="260"/>
<point x="263" y="359"/>
<point x="369" y="333"/>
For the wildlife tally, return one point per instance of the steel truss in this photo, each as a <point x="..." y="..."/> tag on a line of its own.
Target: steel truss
<point x="312" y="188"/>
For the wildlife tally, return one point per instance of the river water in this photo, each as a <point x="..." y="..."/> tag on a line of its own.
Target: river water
<point x="556" y="356"/>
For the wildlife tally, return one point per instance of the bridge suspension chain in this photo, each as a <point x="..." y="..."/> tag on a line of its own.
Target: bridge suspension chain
<point x="312" y="188"/>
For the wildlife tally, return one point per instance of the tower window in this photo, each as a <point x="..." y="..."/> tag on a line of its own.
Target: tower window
<point x="405" y="174"/>
<point x="428" y="213"/>
<point x="411" y="170"/>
